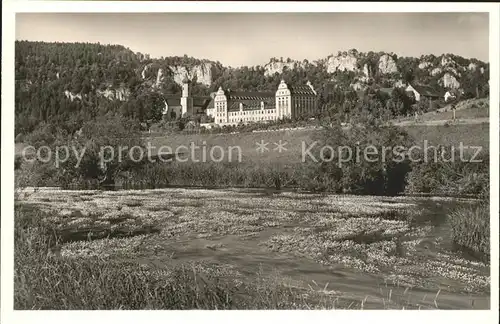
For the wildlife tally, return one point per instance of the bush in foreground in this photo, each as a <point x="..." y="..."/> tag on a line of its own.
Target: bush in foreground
<point x="471" y="228"/>
<point x="457" y="177"/>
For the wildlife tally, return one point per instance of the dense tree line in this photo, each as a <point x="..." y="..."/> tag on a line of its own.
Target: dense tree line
<point x="67" y="84"/>
<point x="59" y="84"/>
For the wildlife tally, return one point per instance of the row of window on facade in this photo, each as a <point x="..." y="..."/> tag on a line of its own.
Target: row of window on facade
<point x="300" y="105"/>
<point x="238" y="119"/>
<point x="248" y="113"/>
<point x="245" y="119"/>
<point x="252" y="112"/>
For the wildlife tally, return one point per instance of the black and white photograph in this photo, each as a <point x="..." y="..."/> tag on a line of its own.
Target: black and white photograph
<point x="206" y="160"/>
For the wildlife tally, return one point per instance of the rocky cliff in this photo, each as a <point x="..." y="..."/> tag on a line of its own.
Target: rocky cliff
<point x="71" y="96"/>
<point x="346" y="61"/>
<point x="202" y="73"/>
<point x="121" y="94"/>
<point x="387" y="65"/>
<point x="436" y="71"/>
<point x="449" y="81"/>
<point x="275" y="66"/>
<point x="424" y="65"/>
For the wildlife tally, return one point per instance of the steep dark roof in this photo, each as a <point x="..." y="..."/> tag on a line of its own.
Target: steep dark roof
<point x="173" y="101"/>
<point x="202" y="102"/>
<point x="257" y="95"/>
<point x="425" y="91"/>
<point x="302" y="90"/>
<point x="248" y="95"/>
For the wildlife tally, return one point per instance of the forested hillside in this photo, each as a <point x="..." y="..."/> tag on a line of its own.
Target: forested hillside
<point x="59" y="86"/>
<point x="66" y="84"/>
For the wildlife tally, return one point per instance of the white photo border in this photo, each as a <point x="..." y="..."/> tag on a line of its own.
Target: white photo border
<point x="10" y="8"/>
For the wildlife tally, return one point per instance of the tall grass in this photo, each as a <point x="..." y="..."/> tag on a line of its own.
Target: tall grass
<point x="211" y="174"/>
<point x="471" y="228"/>
<point x="45" y="280"/>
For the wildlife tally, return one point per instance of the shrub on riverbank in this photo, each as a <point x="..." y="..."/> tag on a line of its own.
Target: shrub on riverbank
<point x="457" y="177"/>
<point x="471" y="228"/>
<point x="321" y="172"/>
<point x="364" y="159"/>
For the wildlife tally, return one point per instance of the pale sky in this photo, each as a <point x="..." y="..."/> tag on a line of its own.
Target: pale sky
<point x="237" y="39"/>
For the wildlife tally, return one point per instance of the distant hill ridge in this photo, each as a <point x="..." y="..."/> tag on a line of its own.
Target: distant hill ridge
<point x="72" y="82"/>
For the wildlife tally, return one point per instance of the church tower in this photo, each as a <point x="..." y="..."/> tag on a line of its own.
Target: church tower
<point x="186" y="99"/>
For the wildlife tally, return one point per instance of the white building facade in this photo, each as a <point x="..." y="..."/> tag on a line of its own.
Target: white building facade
<point x="232" y="108"/>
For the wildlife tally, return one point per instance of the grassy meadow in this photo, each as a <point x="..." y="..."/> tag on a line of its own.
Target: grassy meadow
<point x="468" y="134"/>
<point x="470" y="110"/>
<point x="293" y="141"/>
<point x="242" y="249"/>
